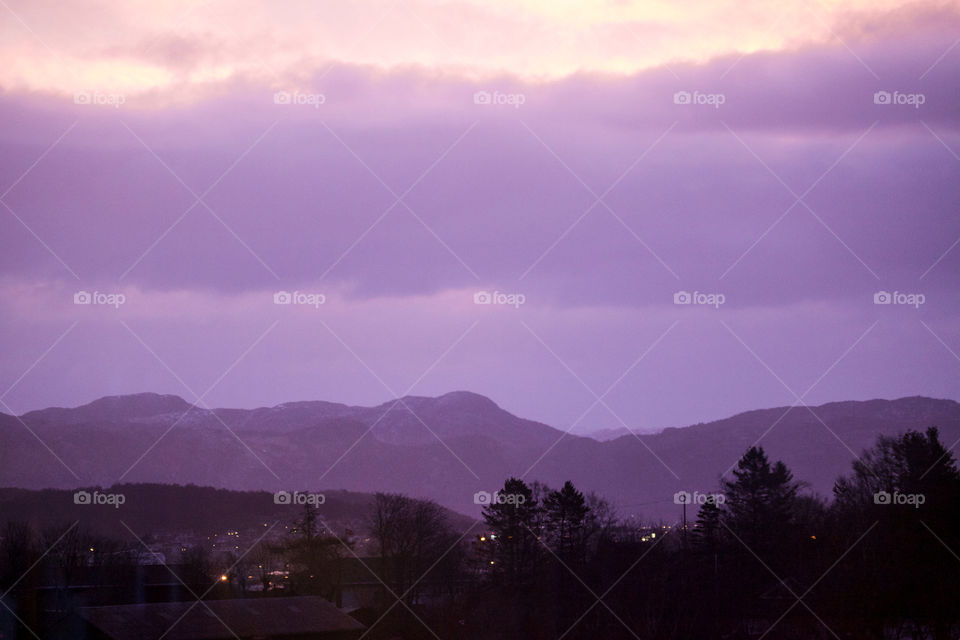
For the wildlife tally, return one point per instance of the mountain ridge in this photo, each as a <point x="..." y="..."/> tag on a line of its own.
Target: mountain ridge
<point x="172" y="403"/>
<point x="446" y="448"/>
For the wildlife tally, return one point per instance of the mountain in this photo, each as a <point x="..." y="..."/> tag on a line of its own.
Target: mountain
<point x="610" y="433"/>
<point x="132" y="408"/>
<point x="445" y="448"/>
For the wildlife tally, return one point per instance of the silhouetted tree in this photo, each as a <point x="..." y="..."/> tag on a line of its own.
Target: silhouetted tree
<point x="905" y="492"/>
<point x="198" y="572"/>
<point x="18" y="551"/>
<point x="760" y="501"/>
<point x="314" y="555"/>
<point x="566" y="518"/>
<point x="414" y="538"/>
<point x="565" y="513"/>
<point x="514" y="524"/>
<point x="708" y="530"/>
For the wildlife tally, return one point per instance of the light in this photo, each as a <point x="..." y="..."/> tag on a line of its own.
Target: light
<point x="653" y="535"/>
<point x="491" y="562"/>
<point x="224" y="578"/>
<point x="813" y="537"/>
<point x="483" y="538"/>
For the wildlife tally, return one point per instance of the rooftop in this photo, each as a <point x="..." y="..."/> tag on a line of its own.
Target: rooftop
<point x="213" y="619"/>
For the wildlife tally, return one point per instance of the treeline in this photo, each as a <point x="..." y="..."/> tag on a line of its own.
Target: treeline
<point x="760" y="559"/>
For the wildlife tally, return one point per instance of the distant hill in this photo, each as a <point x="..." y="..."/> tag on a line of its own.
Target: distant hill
<point x="445" y="448"/>
<point x="153" y="509"/>
<point x="610" y="433"/>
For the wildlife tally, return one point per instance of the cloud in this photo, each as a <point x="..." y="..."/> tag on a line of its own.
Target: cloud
<point x="140" y="47"/>
<point x="507" y="193"/>
<point x="403" y="191"/>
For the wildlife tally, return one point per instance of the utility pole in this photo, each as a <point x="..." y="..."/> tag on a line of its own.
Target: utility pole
<point x="684" y="523"/>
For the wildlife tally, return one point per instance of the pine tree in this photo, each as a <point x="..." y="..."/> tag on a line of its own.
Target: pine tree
<point x="566" y="514"/>
<point x="905" y="491"/>
<point x="512" y="518"/>
<point x="707" y="533"/>
<point x="760" y="499"/>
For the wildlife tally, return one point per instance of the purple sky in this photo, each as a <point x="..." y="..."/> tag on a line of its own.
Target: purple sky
<point x="499" y="198"/>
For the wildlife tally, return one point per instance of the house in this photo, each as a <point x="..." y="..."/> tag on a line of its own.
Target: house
<point x="297" y="618"/>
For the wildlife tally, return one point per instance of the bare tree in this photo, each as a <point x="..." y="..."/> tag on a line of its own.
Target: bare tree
<point x="413" y="537"/>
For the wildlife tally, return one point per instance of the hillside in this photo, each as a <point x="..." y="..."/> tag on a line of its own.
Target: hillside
<point x="444" y="448"/>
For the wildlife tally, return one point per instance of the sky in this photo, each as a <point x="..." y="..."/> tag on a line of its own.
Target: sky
<point x="598" y="214"/>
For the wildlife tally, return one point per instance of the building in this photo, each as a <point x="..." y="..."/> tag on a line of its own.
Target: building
<point x="298" y="618"/>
